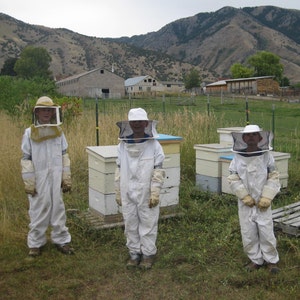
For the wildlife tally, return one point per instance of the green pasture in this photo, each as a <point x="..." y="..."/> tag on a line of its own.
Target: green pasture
<point x="200" y="253"/>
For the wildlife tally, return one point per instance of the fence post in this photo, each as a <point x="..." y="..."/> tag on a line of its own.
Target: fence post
<point x="208" y="105"/>
<point x="273" y="125"/>
<point x="97" y="123"/>
<point x="247" y="112"/>
<point x="164" y="104"/>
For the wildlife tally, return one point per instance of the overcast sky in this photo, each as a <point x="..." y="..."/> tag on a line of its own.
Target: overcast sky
<point x="116" y="18"/>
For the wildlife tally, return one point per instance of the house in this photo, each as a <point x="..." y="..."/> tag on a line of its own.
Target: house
<point x="173" y="86"/>
<point x="264" y="85"/>
<point x="95" y="83"/>
<point x="143" y="85"/>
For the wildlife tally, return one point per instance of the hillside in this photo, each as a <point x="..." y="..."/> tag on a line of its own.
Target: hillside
<point x="211" y="42"/>
<point x="73" y="53"/>
<point x="216" y="40"/>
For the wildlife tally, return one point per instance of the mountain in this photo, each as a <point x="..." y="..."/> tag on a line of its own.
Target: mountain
<point x="214" y="41"/>
<point x="211" y="42"/>
<point x="73" y="53"/>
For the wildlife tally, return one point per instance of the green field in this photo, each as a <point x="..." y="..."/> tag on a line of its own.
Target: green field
<point x="200" y="252"/>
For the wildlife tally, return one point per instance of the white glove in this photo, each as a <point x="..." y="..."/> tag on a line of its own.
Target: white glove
<point x="154" y="198"/>
<point x="264" y="203"/>
<point x="117" y="186"/>
<point x="66" y="183"/>
<point x="28" y="177"/>
<point x="157" y="181"/>
<point x="249" y="201"/>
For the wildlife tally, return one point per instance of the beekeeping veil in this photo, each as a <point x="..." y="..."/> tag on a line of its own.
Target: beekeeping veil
<point x="137" y="114"/>
<point x="41" y="132"/>
<point x="264" y="144"/>
<point x="46" y="102"/>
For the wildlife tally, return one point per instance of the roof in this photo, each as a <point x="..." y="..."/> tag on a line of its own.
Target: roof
<point x="134" y="80"/>
<point x="220" y="82"/>
<point x="80" y="75"/>
<point x="249" y="78"/>
<point x="224" y="82"/>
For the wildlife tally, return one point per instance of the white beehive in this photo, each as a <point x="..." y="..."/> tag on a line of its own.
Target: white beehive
<point x="102" y="165"/>
<point x="212" y="163"/>
<point x="208" y="167"/>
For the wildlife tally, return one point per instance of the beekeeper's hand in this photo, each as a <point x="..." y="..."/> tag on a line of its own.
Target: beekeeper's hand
<point x="154" y="196"/>
<point x="157" y="180"/>
<point x="249" y="201"/>
<point x="28" y="176"/>
<point x="117" y="186"/>
<point x="66" y="184"/>
<point x="30" y="187"/>
<point x="118" y="197"/>
<point x="264" y="203"/>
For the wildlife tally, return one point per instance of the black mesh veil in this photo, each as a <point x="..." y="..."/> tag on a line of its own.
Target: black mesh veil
<point x="126" y="131"/>
<point x="264" y="145"/>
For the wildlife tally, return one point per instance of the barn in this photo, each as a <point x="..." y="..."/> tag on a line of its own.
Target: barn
<point x="97" y="82"/>
<point x="263" y="86"/>
<point x="143" y="85"/>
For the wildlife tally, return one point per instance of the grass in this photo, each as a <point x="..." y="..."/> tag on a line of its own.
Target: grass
<point x="200" y="253"/>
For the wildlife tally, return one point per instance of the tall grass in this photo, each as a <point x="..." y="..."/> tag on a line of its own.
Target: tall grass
<point x="193" y="127"/>
<point x="200" y="254"/>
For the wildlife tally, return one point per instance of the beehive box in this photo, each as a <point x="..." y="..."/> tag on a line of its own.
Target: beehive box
<point x="225" y="137"/>
<point x="208" y="167"/>
<point x="102" y="165"/>
<point x="281" y="161"/>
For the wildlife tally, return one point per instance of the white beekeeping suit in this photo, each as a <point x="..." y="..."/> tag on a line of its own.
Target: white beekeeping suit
<point x="45" y="170"/>
<point x="139" y="178"/>
<point x="255" y="181"/>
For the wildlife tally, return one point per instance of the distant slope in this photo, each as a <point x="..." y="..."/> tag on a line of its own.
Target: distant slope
<point x="216" y="40"/>
<point x="73" y="53"/>
<point x="211" y="42"/>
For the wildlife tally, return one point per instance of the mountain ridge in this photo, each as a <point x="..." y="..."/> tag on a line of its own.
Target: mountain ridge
<point x="210" y="42"/>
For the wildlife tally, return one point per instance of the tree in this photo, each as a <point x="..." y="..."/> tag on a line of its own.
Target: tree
<point x="33" y="62"/>
<point x="285" y="81"/>
<point x="192" y="79"/>
<point x="266" y="63"/>
<point x="239" y="71"/>
<point x="8" y="67"/>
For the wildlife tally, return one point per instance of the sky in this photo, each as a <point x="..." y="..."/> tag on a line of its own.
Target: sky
<point x="117" y="18"/>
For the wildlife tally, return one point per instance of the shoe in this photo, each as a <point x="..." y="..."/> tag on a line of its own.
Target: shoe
<point x="34" y="252"/>
<point x="273" y="268"/>
<point x="252" y="267"/>
<point x="134" y="261"/>
<point x="147" y="262"/>
<point x="65" y="249"/>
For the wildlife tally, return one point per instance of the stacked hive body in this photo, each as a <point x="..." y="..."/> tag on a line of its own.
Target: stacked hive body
<point x="102" y="165"/>
<point x="212" y="163"/>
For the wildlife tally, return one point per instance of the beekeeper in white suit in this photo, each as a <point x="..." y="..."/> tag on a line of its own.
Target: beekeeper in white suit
<point x="138" y="180"/>
<point x="254" y="180"/>
<point x="46" y="172"/>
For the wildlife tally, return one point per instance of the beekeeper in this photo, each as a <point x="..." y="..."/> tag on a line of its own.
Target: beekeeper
<point x="254" y="180"/>
<point x="46" y="172"/>
<point x="138" y="180"/>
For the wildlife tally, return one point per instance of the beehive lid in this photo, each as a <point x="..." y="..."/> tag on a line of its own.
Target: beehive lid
<point x="212" y="147"/>
<point x="165" y="137"/>
<point x="105" y="152"/>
